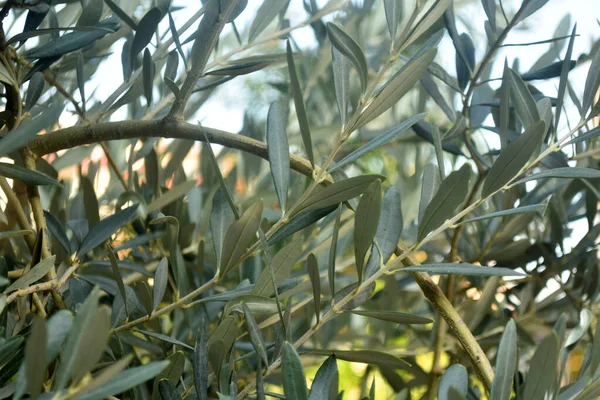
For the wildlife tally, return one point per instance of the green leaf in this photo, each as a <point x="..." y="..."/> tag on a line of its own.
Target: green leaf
<point x="256" y="304"/>
<point x="255" y="336"/>
<point x="282" y="264"/>
<point x="437" y="144"/>
<point x="144" y="32"/>
<point x="200" y="363"/>
<point x="91" y="13"/>
<point x="513" y="158"/>
<point x="279" y="151"/>
<point x="73" y="41"/>
<point x="431" y="16"/>
<point x="175" y="36"/>
<point x="221" y="217"/>
<point x="396" y="87"/>
<point x="299" y="104"/>
<point x="365" y="224"/>
<point x="125" y="380"/>
<point x="393" y="16"/>
<point x="512" y="211"/>
<point x="455" y="378"/>
<point x="333" y="249"/>
<point x="121" y="14"/>
<point x="563" y="173"/>
<point x="523" y="101"/>
<point x="114" y="264"/>
<point x="336" y="193"/>
<point x="504" y="105"/>
<point x="161" y="278"/>
<point x="530" y="7"/>
<point x="57" y="230"/>
<point x="81" y="76"/>
<point x="462" y="269"/>
<point x="267" y="11"/>
<point x="357" y="300"/>
<point x="326" y="380"/>
<point x="148" y="71"/>
<point x="33" y="275"/>
<point x="105" y="229"/>
<point x="591" y="134"/>
<point x="294" y="381"/>
<point x="341" y="82"/>
<point x="165" y="338"/>
<point x="365" y="357"/>
<point x="466" y="64"/>
<point x="349" y="48"/>
<point x="92" y="344"/>
<point x="389" y="229"/>
<point x="241" y="69"/>
<point x="24" y="175"/>
<point x="167" y="390"/>
<point x="591" y="392"/>
<point x="394" y="316"/>
<point x="429" y="187"/>
<point x="59" y="325"/>
<point x="28" y="129"/>
<point x="452" y="192"/>
<point x="315" y="280"/>
<point x="506" y="364"/>
<point x="378" y="141"/>
<point x="489" y="6"/>
<point x="35" y="356"/>
<point x="542" y="371"/>
<point x="592" y="83"/>
<point x="239" y="236"/>
<point x="77" y="338"/>
<point x="34" y="90"/>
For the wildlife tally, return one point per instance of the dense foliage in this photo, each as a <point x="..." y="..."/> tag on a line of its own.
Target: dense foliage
<point x="382" y="226"/>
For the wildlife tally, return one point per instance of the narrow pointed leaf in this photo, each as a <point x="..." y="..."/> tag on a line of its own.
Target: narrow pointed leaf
<point x="349" y="48"/>
<point x="92" y="344"/>
<point x="341" y="81"/>
<point x="592" y="83"/>
<point x="591" y="134"/>
<point x="239" y="236"/>
<point x="105" y="229"/>
<point x="462" y="269"/>
<point x="126" y="380"/>
<point x="439" y="154"/>
<point x="34" y="90"/>
<point x="326" y="380"/>
<point x="315" y="280"/>
<point x="564" y="173"/>
<point x="452" y="192"/>
<point x="200" y="363"/>
<point x="506" y="364"/>
<point x="465" y="65"/>
<point x="161" y="278"/>
<point x="165" y="338"/>
<point x="35" y="356"/>
<point x="432" y="15"/>
<point x="396" y="87"/>
<point x="394" y="316"/>
<point x="333" y="249"/>
<point x="118" y="11"/>
<point x="543" y="367"/>
<point x="279" y="151"/>
<point x="336" y="193"/>
<point x="393" y="16"/>
<point x="175" y="36"/>
<point x="255" y="336"/>
<point x="145" y="30"/>
<point x="513" y="157"/>
<point x="299" y="104"/>
<point x="429" y="187"/>
<point x="294" y="381"/>
<point x="27" y="176"/>
<point x="377" y="142"/>
<point x="523" y="101"/>
<point x="365" y="224"/>
<point x="365" y="357"/>
<point x="267" y="11"/>
<point x="221" y="217"/>
<point x="33" y="275"/>
<point x="512" y="211"/>
<point x="28" y="129"/>
<point x="504" y="106"/>
<point x="148" y="76"/>
<point x="299" y="222"/>
<point x="240" y="69"/>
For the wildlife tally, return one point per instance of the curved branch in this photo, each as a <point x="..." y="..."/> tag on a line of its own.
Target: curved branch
<point x="91" y="134"/>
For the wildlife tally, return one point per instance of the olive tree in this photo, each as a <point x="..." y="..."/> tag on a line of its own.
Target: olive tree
<point x="435" y="223"/>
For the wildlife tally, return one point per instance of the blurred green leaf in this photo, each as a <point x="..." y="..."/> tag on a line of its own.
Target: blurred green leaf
<point x="543" y="368"/>
<point x="34" y="274"/>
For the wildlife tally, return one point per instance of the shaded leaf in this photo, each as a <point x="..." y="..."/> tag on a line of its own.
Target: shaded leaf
<point x="255" y="336"/>
<point x="121" y="14"/>
<point x="240" y="69"/>
<point x="35" y="356"/>
<point x="365" y="224"/>
<point x="106" y="228"/>
<point x="315" y="280"/>
<point x="365" y="357"/>
<point x="349" y="48"/>
<point x="148" y="76"/>
<point x="91" y="13"/>
<point x="513" y="158"/>
<point x="465" y="65"/>
<point x="592" y="83"/>
<point x="33" y="275"/>
<point x="512" y="211"/>
<point x="506" y="364"/>
<point x="451" y="193"/>
<point x="239" y="235"/>
<point x="25" y="175"/>
<point x="167" y="390"/>
<point x="542" y="371"/>
<point x="161" y="278"/>
<point x="504" y="105"/>
<point x="144" y="32"/>
<point x="455" y="378"/>
<point x="282" y="264"/>
<point x="92" y="343"/>
<point x="165" y="338"/>
<point x="462" y="269"/>
<point x="294" y="382"/>
<point x="333" y="249"/>
<point x="393" y="16"/>
<point x="299" y="104"/>
<point x="523" y="101"/>
<point x="279" y="151"/>
<point x="394" y="316"/>
<point x="564" y="172"/>
<point x="378" y="141"/>
<point x="341" y="82"/>
<point x="200" y="363"/>
<point x="267" y="11"/>
<point x="396" y="87"/>
<point x="34" y="90"/>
